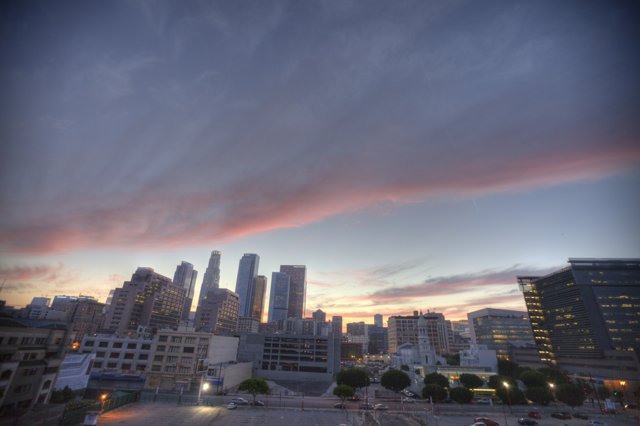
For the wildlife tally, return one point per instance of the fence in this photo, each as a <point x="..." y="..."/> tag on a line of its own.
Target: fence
<point x="115" y="400"/>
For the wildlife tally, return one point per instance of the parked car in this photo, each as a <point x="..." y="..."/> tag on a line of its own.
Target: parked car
<point x="483" y="401"/>
<point x="380" y="407"/>
<point x="527" y="422"/>
<point x="231" y="406"/>
<point x="365" y="406"/>
<point x="597" y="423"/>
<point x="257" y="403"/>
<point x="355" y="397"/>
<point x="486" y="421"/>
<point x="408" y="400"/>
<point x="561" y="415"/>
<point x="580" y="415"/>
<point x="534" y="414"/>
<point x="239" y="401"/>
<point x="340" y="405"/>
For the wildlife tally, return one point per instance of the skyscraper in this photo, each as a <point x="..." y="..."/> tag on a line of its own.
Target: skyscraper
<point x="279" y="296"/>
<point x="245" y="282"/>
<point x="297" y="289"/>
<point x="148" y="299"/>
<point x="585" y="317"/>
<point x="377" y="320"/>
<point x="258" y="297"/>
<point x="319" y="316"/>
<point x="495" y="328"/>
<point x="211" y="279"/>
<point x="218" y="312"/>
<point x="185" y="277"/>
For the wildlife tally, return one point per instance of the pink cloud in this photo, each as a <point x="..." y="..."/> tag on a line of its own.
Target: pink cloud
<point x="162" y="217"/>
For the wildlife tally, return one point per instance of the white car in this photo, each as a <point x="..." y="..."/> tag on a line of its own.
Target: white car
<point x="239" y="401"/>
<point x="408" y="400"/>
<point x="231" y="406"/>
<point x="380" y="407"/>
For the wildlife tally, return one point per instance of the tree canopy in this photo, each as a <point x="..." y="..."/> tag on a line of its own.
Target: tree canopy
<point x="355" y="377"/>
<point x="343" y="392"/>
<point x="436" y="379"/>
<point x="507" y="368"/>
<point x="254" y="386"/>
<point x="511" y="395"/>
<point x="570" y="394"/>
<point x="497" y="381"/>
<point x="540" y="395"/>
<point x="554" y="376"/>
<point x="532" y="378"/>
<point x="471" y="381"/>
<point x="395" y="380"/>
<point x="461" y="395"/>
<point x="437" y="392"/>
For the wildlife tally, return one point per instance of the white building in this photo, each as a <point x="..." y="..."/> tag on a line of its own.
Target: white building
<point x="118" y="355"/>
<point x="75" y="371"/>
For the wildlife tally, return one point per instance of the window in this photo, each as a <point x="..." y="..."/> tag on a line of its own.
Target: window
<point x="158" y="358"/>
<point x="156" y="368"/>
<point x="128" y="356"/>
<point x="174" y="349"/>
<point x="103" y="344"/>
<point x="117" y="345"/>
<point x="97" y="364"/>
<point x="46" y="385"/>
<point x="89" y="343"/>
<point x="143" y="356"/>
<point x="188" y="349"/>
<point x="126" y="367"/>
<point x="12" y="341"/>
<point x="162" y="338"/>
<point x="190" y="340"/>
<point x="26" y="341"/>
<point x="161" y="348"/>
<point x="112" y="365"/>
<point x="131" y="345"/>
<point x="114" y="355"/>
<point x="100" y="354"/>
<point x="176" y="339"/>
<point x="172" y="359"/>
<point x="170" y="369"/>
<point x="146" y="346"/>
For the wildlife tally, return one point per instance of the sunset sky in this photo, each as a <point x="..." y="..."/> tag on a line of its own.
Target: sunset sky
<point x="414" y="155"/>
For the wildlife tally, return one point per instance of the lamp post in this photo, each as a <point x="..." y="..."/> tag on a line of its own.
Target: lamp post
<point x="622" y="385"/>
<point x="504" y="412"/>
<point x="103" y="399"/>
<point x="506" y="385"/>
<point x="552" y="386"/>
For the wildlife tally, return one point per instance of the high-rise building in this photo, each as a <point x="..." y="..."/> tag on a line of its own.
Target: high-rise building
<point x="218" y="312"/>
<point x="357" y="328"/>
<point x="211" y="279"/>
<point x="336" y="326"/>
<point x="377" y="320"/>
<point x="245" y="282"/>
<point x="319" y="316"/>
<point x="495" y="328"/>
<point x="279" y="296"/>
<point x="260" y="289"/>
<point x="148" y="299"/>
<point x="185" y="277"/>
<point x="297" y="289"/>
<point x="585" y="317"/>
<point x="404" y="329"/>
<point x="83" y="313"/>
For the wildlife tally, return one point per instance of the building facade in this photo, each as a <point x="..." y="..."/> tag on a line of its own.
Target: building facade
<point x="260" y="289"/>
<point x="279" y="296"/>
<point x="211" y="279"/>
<point x="118" y="355"/>
<point x="148" y="299"/>
<point x="219" y="312"/>
<point x="245" y="282"/>
<point x="185" y="277"/>
<point x="31" y="353"/>
<point x="297" y="289"/>
<point x="404" y="329"/>
<point x="495" y="328"/>
<point x="585" y="317"/>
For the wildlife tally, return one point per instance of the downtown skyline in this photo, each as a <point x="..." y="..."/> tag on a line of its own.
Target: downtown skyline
<point x="413" y="156"/>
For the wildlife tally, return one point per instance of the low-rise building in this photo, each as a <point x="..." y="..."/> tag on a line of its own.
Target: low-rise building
<point x="114" y="354"/>
<point x="75" y="371"/>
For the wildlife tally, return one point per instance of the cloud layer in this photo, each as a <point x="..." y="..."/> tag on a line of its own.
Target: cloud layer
<point x="199" y="123"/>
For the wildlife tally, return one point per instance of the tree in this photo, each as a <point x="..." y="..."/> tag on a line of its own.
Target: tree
<point x="437" y="392"/>
<point x="395" y="380"/>
<point x="511" y="395"/>
<point x="343" y="392"/>
<point x="254" y="386"/>
<point x="554" y="376"/>
<point x="539" y="394"/>
<point x="507" y="368"/>
<point x="355" y="377"/>
<point x="534" y="379"/>
<point x="436" y="379"/>
<point x="497" y="381"/>
<point x="63" y="395"/>
<point x="404" y="367"/>
<point x="461" y="395"/>
<point x="570" y="394"/>
<point x="471" y="381"/>
<point x="603" y="392"/>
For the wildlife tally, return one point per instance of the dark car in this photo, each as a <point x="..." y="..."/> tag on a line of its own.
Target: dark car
<point x="366" y="406"/>
<point x="257" y="403"/>
<point x="527" y="422"/>
<point x="340" y="405"/>
<point x="486" y="421"/>
<point x="579" y="415"/>
<point x="561" y="415"/>
<point x="534" y="414"/>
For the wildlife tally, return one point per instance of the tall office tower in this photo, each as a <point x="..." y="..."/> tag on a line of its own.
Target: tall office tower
<point x="185" y="277"/>
<point x="497" y="327"/>
<point x="404" y="329"/>
<point x="83" y="313"/>
<point x="336" y="325"/>
<point x="148" y="299"/>
<point x="297" y="289"/>
<point x="218" y="312"/>
<point x="357" y="328"/>
<point x="245" y="282"/>
<point x="260" y="289"/>
<point x="585" y="317"/>
<point x="211" y="279"/>
<point x="377" y="320"/>
<point x="279" y="296"/>
<point x="319" y="316"/>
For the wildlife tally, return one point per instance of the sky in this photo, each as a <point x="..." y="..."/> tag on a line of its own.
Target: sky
<point x="413" y="155"/>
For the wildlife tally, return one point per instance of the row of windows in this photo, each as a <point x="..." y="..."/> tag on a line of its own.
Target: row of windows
<point x="12" y="340"/>
<point x="128" y="355"/>
<point x="100" y="364"/>
<point x="117" y="345"/>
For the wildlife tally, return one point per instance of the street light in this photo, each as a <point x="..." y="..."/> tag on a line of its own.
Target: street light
<point x="506" y="385"/>
<point x="504" y="412"/>
<point x="553" y="387"/>
<point x="103" y="399"/>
